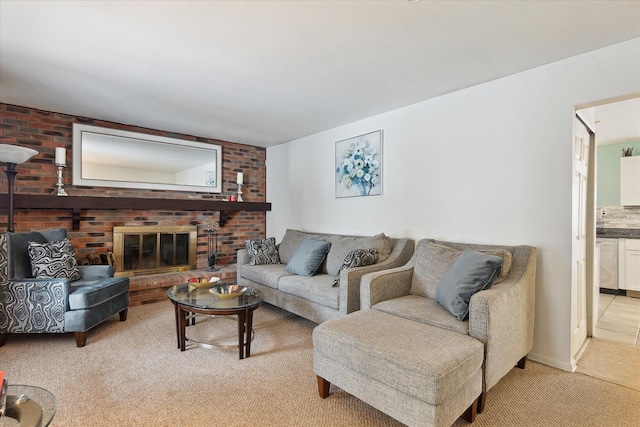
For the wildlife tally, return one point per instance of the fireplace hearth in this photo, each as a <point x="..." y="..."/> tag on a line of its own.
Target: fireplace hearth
<point x="147" y="250"/>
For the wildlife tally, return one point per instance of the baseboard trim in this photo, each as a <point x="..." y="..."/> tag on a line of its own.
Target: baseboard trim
<point x="554" y="363"/>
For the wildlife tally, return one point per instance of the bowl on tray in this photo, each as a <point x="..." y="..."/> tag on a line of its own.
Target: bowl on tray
<point x="228" y="291"/>
<point x="203" y="282"/>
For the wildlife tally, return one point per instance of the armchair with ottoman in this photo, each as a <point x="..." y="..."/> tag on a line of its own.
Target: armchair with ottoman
<point x="43" y="290"/>
<point x="435" y="335"/>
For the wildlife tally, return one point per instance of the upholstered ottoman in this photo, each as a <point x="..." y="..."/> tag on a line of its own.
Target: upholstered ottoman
<point x="416" y="373"/>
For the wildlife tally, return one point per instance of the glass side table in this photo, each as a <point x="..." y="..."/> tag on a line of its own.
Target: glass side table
<point x="28" y="406"/>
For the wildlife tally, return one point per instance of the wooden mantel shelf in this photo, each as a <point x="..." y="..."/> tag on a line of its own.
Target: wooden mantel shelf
<point x="77" y="203"/>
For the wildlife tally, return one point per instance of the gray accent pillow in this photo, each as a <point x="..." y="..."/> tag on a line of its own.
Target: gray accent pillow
<point x="308" y="257"/>
<point x="471" y="272"/>
<point x="262" y="251"/>
<point x="357" y="258"/>
<point x="54" y="260"/>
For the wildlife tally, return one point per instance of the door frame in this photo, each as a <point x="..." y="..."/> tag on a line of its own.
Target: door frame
<point x="592" y="289"/>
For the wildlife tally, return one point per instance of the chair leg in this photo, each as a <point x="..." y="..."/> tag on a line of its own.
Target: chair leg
<point x="482" y="399"/>
<point x="522" y="362"/>
<point x="470" y="414"/>
<point x="81" y="338"/>
<point x="323" y="387"/>
<point x="123" y="315"/>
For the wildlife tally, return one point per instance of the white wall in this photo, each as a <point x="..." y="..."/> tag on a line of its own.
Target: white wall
<point x="490" y="164"/>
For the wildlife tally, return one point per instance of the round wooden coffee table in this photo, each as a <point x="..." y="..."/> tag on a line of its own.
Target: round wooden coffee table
<point x="189" y="299"/>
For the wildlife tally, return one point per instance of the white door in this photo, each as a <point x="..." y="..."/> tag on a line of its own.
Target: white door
<point x="581" y="139"/>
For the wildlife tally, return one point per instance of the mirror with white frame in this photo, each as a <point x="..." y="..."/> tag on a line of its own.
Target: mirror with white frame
<point x="105" y="157"/>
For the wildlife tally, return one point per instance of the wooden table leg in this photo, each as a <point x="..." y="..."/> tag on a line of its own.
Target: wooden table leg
<point x="242" y="319"/>
<point x="249" y="330"/>
<point x="183" y="324"/>
<point x="177" y="325"/>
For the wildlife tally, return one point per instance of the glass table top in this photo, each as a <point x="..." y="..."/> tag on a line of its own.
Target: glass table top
<point x="28" y="406"/>
<point x="202" y="298"/>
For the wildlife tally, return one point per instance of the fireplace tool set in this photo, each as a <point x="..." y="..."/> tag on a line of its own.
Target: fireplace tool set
<point x="212" y="243"/>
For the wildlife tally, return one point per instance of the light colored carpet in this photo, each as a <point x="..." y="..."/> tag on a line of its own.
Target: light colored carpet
<point x="611" y="361"/>
<point x="132" y="374"/>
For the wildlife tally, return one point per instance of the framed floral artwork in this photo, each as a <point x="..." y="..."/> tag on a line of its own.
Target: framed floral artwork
<point x="359" y="165"/>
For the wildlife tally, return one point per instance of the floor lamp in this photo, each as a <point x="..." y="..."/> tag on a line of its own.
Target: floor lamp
<point x="13" y="155"/>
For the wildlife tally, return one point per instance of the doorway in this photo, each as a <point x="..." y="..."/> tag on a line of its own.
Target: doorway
<point x="610" y="316"/>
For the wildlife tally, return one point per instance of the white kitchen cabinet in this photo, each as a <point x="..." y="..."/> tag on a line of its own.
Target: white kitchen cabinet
<point x="629" y="264"/>
<point x="630" y="181"/>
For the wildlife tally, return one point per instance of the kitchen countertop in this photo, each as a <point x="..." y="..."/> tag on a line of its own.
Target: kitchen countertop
<point x="618" y="233"/>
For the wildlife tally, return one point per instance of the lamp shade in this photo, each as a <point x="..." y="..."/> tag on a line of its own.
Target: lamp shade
<point x="15" y="154"/>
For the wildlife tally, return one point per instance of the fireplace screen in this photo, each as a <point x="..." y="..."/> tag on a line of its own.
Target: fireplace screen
<point x="148" y="250"/>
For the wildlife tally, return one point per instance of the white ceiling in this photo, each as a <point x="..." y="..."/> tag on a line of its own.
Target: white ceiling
<point x="618" y="122"/>
<point x="266" y="72"/>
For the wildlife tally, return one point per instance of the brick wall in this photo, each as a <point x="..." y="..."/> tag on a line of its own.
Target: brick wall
<point x="44" y="131"/>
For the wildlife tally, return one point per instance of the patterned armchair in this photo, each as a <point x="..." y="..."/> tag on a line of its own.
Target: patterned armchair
<point x="79" y="298"/>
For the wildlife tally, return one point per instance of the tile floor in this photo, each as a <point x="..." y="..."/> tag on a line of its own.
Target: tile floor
<point x="618" y="319"/>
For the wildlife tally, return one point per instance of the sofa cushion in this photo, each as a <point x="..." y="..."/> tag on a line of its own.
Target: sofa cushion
<point x="89" y="293"/>
<point x="318" y="289"/>
<point x="357" y="258"/>
<point x="308" y="257"/>
<point x="506" y="260"/>
<point x="262" y="251"/>
<point x="268" y="274"/>
<point x="290" y="242"/>
<point x="342" y="245"/>
<point x="472" y="272"/>
<point x="53" y="260"/>
<point x="423" y="310"/>
<point x="432" y="261"/>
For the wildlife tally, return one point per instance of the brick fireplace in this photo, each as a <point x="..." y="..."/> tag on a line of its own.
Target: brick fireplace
<point x="44" y="131"/>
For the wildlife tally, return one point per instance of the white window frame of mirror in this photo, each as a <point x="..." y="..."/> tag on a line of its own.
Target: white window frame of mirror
<point x="140" y="151"/>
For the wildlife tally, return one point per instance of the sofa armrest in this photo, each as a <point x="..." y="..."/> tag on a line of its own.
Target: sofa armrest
<point x="243" y="257"/>
<point x="502" y="317"/>
<point x="93" y="272"/>
<point x="384" y="285"/>
<point x="33" y="305"/>
<point x="350" y="278"/>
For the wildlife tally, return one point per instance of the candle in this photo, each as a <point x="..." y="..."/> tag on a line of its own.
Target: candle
<point x="240" y="176"/>
<point x="61" y="156"/>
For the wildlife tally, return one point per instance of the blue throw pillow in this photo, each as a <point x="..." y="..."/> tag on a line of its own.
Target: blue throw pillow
<point x="308" y="257"/>
<point x="471" y="272"/>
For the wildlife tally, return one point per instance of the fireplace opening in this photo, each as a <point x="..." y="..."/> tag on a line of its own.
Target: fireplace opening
<point x="145" y="250"/>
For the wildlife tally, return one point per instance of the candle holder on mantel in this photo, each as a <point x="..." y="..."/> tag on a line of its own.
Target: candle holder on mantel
<point x="240" y="193"/>
<point x="61" y="162"/>
<point x="239" y="181"/>
<point x="60" y="191"/>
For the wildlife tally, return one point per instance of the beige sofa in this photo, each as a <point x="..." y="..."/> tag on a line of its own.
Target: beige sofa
<point x="404" y="346"/>
<point x="314" y="297"/>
